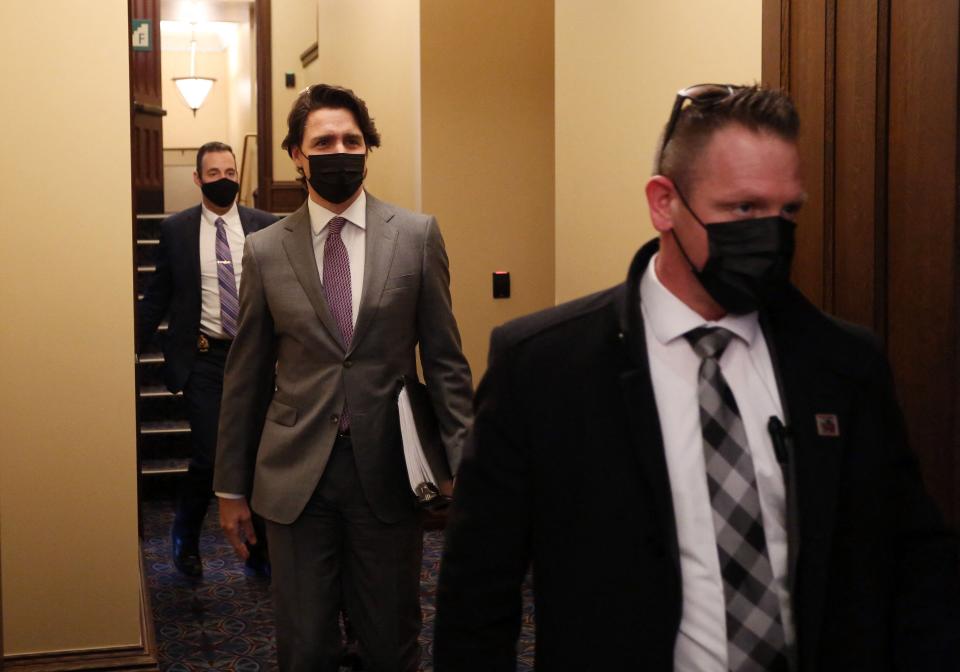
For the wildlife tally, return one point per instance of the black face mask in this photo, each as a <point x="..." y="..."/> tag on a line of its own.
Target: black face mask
<point x="221" y="192"/>
<point x="748" y="262"/>
<point x="336" y="177"/>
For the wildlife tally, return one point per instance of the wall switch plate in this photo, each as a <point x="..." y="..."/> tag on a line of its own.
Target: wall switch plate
<point x="501" y="284"/>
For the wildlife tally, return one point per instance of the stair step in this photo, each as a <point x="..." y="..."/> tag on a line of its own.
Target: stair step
<point x="147" y="250"/>
<point x="157" y="391"/>
<point x="164" y="428"/>
<point x="148" y="226"/>
<point x="164" y="467"/>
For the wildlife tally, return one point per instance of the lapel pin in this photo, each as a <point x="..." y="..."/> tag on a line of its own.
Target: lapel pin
<point x="827" y="424"/>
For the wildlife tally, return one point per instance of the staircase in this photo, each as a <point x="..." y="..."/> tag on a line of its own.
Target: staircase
<point x="165" y="443"/>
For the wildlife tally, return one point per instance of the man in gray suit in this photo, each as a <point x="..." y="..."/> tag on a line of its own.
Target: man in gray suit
<point x="335" y="300"/>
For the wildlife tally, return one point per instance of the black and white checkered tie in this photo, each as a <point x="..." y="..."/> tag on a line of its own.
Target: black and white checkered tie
<point x="755" y="639"/>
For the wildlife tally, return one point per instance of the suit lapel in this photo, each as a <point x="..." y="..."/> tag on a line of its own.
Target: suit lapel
<point x="245" y="223"/>
<point x="381" y="244"/>
<point x="790" y="468"/>
<point x="298" y="244"/>
<point x="192" y="243"/>
<point x="808" y="389"/>
<point x="643" y="419"/>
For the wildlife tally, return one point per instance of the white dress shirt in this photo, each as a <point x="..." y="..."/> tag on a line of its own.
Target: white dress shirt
<point x="354" y="235"/>
<point x="209" y="281"/>
<point x="701" y="644"/>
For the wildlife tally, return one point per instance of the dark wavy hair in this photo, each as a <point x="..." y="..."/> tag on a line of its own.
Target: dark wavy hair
<point x="328" y="96"/>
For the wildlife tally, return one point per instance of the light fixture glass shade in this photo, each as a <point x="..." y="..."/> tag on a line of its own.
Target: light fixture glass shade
<point x="194" y="90"/>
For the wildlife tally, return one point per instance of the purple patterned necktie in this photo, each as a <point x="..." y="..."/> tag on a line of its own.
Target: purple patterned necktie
<point x="338" y="290"/>
<point x="755" y="636"/>
<point x="229" y="303"/>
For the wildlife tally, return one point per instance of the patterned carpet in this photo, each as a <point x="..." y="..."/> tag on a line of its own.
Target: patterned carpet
<point x="225" y="620"/>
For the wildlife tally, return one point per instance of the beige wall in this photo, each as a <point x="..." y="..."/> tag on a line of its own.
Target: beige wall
<point x="294" y="28"/>
<point x="68" y="508"/>
<point x="180" y="127"/>
<point x="373" y="47"/>
<point x="179" y="191"/>
<point x="227" y="114"/>
<point x="241" y="104"/>
<point x="488" y="168"/>
<point x="618" y="65"/>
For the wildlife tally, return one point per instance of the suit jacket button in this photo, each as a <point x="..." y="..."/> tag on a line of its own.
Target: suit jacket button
<point x="335" y="419"/>
<point x="347" y="364"/>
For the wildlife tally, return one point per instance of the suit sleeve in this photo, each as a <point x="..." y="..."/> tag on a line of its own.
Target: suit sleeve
<point x="479" y="596"/>
<point x="156" y="296"/>
<point x="927" y="588"/>
<point x="248" y="383"/>
<point x="445" y="369"/>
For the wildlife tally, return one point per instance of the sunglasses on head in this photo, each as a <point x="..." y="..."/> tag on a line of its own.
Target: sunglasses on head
<point x="699" y="95"/>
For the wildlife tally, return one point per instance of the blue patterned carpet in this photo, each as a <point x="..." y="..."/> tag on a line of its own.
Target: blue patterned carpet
<point x="225" y="620"/>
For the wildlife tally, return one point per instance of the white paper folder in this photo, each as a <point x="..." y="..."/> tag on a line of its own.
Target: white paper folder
<point x="423" y="450"/>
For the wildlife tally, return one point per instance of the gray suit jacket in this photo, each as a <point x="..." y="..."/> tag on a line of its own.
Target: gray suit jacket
<point x="288" y="373"/>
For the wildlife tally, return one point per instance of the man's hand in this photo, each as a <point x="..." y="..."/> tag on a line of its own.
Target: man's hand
<point x="237" y="524"/>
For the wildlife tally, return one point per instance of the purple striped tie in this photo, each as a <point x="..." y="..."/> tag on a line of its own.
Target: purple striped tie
<point x="337" y="289"/>
<point x="229" y="303"/>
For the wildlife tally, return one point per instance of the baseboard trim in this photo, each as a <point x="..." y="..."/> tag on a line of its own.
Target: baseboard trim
<point x="141" y="658"/>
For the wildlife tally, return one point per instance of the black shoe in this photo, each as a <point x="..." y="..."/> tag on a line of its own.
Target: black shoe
<point x="351" y="660"/>
<point x="186" y="556"/>
<point x="257" y="563"/>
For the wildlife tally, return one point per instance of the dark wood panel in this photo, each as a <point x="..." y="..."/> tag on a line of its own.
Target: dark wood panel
<point x="285" y="196"/>
<point x="854" y="267"/>
<point x="921" y="327"/>
<point x="147" y="174"/>
<point x="829" y="216"/>
<point x="876" y="84"/>
<point x="147" y="113"/>
<point x="807" y="87"/>
<point x="146" y="64"/>
<point x="775" y="43"/>
<point x="264" y="106"/>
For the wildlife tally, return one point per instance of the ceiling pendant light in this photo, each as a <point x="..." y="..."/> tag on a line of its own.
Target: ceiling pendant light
<point x="193" y="89"/>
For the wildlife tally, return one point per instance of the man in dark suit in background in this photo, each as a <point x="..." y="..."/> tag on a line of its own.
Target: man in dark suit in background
<point x="705" y="472"/>
<point x="195" y="285"/>
<point x="336" y="299"/>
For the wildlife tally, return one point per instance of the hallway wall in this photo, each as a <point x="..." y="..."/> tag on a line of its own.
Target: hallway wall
<point x="373" y="47"/>
<point x="68" y="500"/>
<point x="619" y="64"/>
<point x="488" y="170"/>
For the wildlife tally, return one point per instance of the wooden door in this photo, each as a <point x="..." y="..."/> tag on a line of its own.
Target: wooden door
<point x="147" y="107"/>
<point x="876" y="85"/>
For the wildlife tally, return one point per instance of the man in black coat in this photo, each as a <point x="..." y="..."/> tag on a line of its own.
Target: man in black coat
<point x="704" y="471"/>
<point x="195" y="285"/>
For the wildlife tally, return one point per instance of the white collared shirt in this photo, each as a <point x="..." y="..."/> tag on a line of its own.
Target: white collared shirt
<point x="209" y="281"/>
<point x="701" y="644"/>
<point x="354" y="235"/>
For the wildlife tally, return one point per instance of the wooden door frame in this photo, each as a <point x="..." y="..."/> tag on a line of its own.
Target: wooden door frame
<point x="272" y="195"/>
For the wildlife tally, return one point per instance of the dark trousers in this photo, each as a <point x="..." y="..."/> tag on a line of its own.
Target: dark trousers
<point x="202" y="397"/>
<point x="338" y="553"/>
